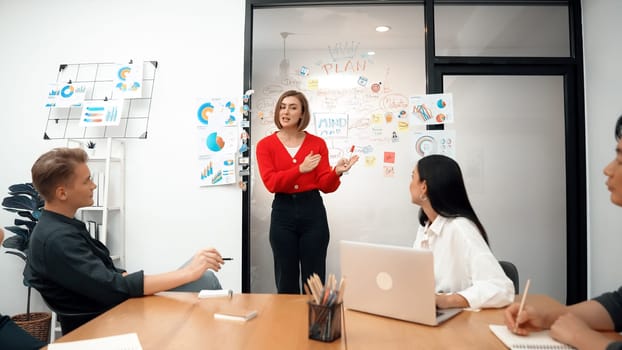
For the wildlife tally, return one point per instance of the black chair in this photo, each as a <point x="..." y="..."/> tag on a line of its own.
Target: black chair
<point x="512" y="272"/>
<point x="71" y="320"/>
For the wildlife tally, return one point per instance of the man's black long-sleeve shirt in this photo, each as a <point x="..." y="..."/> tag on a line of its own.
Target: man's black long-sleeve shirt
<point x="74" y="272"/>
<point x="612" y="302"/>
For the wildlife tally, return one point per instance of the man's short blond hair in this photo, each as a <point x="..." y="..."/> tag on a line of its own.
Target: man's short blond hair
<point x="54" y="168"/>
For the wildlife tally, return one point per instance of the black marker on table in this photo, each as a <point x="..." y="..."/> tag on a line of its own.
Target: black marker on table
<point x="227" y="259"/>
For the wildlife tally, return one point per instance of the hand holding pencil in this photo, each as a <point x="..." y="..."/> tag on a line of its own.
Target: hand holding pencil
<point x="522" y="305"/>
<point x="521" y="318"/>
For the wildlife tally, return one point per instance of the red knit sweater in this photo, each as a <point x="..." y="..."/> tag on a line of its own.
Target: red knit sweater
<point x="281" y="174"/>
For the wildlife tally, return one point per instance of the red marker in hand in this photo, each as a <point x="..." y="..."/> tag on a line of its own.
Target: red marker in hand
<point x="347" y="160"/>
<point x="351" y="154"/>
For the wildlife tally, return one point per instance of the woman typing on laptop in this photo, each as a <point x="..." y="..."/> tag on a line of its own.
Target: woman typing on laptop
<point x="467" y="274"/>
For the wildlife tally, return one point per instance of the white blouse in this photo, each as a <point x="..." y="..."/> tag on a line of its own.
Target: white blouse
<point x="464" y="264"/>
<point x="292" y="150"/>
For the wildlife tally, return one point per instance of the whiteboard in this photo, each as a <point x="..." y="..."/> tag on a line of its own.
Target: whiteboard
<point x="509" y="142"/>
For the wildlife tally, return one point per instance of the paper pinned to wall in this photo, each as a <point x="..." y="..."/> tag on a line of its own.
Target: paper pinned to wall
<point x="217" y="170"/>
<point x="66" y="95"/>
<point x="219" y="137"/>
<point x="432" y="109"/>
<point x="101" y="113"/>
<point x="128" y="80"/>
<point x="435" y="142"/>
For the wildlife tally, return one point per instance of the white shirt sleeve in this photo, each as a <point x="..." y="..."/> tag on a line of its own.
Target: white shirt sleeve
<point x="464" y="264"/>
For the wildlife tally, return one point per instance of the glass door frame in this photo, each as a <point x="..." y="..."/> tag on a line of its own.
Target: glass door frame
<point x="571" y="68"/>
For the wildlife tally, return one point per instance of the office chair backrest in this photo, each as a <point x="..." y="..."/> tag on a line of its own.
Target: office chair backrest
<point x="71" y="320"/>
<point x="512" y="272"/>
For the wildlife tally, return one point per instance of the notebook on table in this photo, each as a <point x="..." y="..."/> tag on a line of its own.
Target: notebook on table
<point x="391" y="281"/>
<point x="533" y="341"/>
<point x="128" y="341"/>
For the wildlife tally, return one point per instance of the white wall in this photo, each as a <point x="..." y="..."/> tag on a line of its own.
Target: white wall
<point x="603" y="88"/>
<point x="199" y="48"/>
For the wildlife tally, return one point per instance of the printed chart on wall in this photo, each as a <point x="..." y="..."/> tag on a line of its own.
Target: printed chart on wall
<point x="432" y="109"/>
<point x="435" y="142"/>
<point x="429" y="110"/>
<point x="218" y="136"/>
<point x="100" y="100"/>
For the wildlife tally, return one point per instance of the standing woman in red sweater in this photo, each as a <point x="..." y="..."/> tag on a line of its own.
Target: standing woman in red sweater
<point x="293" y="165"/>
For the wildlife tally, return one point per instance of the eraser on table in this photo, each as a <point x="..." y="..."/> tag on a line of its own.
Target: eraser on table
<point x="216" y="293"/>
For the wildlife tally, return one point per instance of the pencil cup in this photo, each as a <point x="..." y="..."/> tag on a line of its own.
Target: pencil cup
<point x="324" y="322"/>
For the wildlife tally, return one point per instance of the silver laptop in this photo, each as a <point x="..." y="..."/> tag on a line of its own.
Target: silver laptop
<point x="391" y="281"/>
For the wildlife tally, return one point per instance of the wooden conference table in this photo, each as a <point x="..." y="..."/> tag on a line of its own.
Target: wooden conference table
<point x="176" y="320"/>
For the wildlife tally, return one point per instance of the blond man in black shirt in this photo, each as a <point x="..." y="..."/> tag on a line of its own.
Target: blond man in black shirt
<point x="74" y="272"/>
